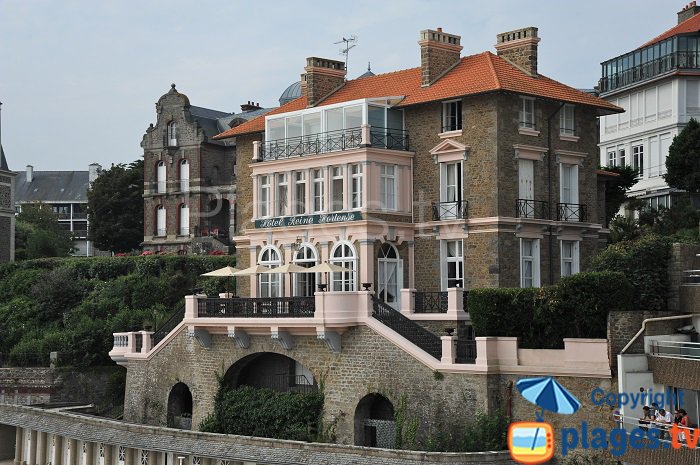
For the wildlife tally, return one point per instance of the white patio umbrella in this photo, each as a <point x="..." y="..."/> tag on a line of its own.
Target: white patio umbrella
<point x="328" y="268"/>
<point x="227" y="271"/>
<point x="252" y="270"/>
<point x="287" y="268"/>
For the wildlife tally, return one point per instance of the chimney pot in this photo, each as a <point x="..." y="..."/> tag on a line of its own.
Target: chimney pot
<point x="690" y="10"/>
<point x="439" y="29"/>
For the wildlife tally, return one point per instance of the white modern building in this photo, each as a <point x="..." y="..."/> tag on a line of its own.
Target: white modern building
<point x="658" y="85"/>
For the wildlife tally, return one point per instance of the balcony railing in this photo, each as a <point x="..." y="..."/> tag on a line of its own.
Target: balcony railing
<point x="572" y="212"/>
<point x="526" y="208"/>
<point x="675" y="349"/>
<point x="258" y="307"/>
<point x="431" y="302"/>
<point x="450" y="210"/>
<point x="166" y="327"/>
<point x="333" y="141"/>
<point x="466" y="351"/>
<point x="409" y="329"/>
<point x="651" y="69"/>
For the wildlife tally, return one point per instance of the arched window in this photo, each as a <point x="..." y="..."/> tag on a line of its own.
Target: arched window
<point x="389" y="274"/>
<point x="161" y="176"/>
<point x="305" y="283"/>
<point x="270" y="284"/>
<point x="184" y="175"/>
<point x="343" y="254"/>
<point x="160" y="220"/>
<point x="172" y="134"/>
<point x="184" y="229"/>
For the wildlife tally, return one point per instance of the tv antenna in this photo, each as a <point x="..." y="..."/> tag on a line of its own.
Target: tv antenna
<point x="348" y="45"/>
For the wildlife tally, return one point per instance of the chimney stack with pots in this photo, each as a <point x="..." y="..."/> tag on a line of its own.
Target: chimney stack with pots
<point x="439" y="52"/>
<point x="250" y="106"/>
<point x="321" y="77"/>
<point x="519" y="48"/>
<point x="690" y="10"/>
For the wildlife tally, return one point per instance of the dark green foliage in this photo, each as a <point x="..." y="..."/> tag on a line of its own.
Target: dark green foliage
<point x="616" y="188"/>
<point x="644" y="263"/>
<point x="683" y="161"/>
<point x="486" y="433"/>
<point x="577" y="307"/>
<point x="265" y="413"/>
<point x="623" y="228"/>
<point x="670" y="221"/>
<point x="73" y="305"/>
<point x="115" y="208"/>
<point x="39" y="234"/>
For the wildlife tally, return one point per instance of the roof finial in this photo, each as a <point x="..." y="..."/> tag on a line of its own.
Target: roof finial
<point x="369" y="66"/>
<point x="172" y="86"/>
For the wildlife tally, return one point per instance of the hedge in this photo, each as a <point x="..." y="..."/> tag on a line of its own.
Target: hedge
<point x="577" y="307"/>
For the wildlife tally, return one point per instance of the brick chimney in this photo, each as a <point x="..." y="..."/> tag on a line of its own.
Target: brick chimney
<point x="519" y="48"/>
<point x="321" y="77"/>
<point x="250" y="106"/>
<point x="690" y="10"/>
<point x="439" y="52"/>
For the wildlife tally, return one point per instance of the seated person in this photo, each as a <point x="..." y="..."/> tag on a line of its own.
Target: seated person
<point x="646" y="417"/>
<point x="663" y="419"/>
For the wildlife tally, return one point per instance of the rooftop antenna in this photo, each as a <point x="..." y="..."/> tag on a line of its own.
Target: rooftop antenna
<point x="345" y="51"/>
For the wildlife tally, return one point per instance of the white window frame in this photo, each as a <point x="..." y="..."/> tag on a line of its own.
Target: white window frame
<point x="612" y="157"/>
<point x="172" y="134"/>
<point x="318" y="190"/>
<point x="572" y="196"/>
<point x="566" y="121"/>
<point x="621" y="156"/>
<point x="388" y="187"/>
<point x="304" y="259"/>
<point x="337" y="182"/>
<point x="161" y="221"/>
<point x="458" y="259"/>
<point x="452" y="115"/>
<point x="264" y="190"/>
<point x="184" y="226"/>
<point x="534" y="259"/>
<point x="270" y="284"/>
<point x="300" y="183"/>
<point x="638" y="158"/>
<point x="184" y="175"/>
<point x="346" y="281"/>
<point x="527" y="113"/>
<point x="572" y="260"/>
<point x="282" y="197"/>
<point x="356" y="185"/>
<point x="161" y="177"/>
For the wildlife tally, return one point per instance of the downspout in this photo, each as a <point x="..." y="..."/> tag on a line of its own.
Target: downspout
<point x="509" y="399"/>
<point x="549" y="187"/>
<point x="644" y="327"/>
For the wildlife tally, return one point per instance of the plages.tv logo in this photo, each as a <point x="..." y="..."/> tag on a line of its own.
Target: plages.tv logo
<point x="532" y="442"/>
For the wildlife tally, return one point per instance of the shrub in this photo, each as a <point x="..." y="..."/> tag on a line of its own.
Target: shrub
<point x="486" y="433"/>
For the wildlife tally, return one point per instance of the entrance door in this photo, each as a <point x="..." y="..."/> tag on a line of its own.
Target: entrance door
<point x="389" y="275"/>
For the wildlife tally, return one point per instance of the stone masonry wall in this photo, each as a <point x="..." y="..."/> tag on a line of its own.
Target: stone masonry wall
<point x="435" y="61"/>
<point x="683" y="258"/>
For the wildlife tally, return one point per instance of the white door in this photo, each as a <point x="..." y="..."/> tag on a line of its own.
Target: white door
<point x="161" y="177"/>
<point x="389" y="275"/>
<point x="527" y="178"/>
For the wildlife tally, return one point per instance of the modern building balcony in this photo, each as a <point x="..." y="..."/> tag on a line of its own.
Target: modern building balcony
<point x="528" y="208"/>
<point x="450" y="210"/>
<point x="333" y="141"/>
<point x="574" y="212"/>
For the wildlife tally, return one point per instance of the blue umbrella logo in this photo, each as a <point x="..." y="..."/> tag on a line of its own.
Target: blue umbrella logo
<point x="548" y="394"/>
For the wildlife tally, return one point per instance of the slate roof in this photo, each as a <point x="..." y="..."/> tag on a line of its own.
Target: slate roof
<point x="52" y="186"/>
<point x="3" y="160"/>
<point x="290" y="93"/>
<point x="473" y="75"/>
<point x="688" y="26"/>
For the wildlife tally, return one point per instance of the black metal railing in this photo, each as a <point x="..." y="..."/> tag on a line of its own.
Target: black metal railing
<point x="257" y="307"/>
<point x="466" y="351"/>
<point x="411" y="330"/>
<point x="465" y="301"/>
<point x="168" y="326"/>
<point x="526" y="208"/>
<point x="572" y="212"/>
<point x="650" y="69"/>
<point x="431" y="302"/>
<point x="286" y="382"/>
<point x="450" y="210"/>
<point x="387" y="138"/>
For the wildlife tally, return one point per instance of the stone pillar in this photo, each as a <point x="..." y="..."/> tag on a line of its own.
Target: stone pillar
<point x="19" y="443"/>
<point x="90" y="450"/>
<point x="449" y="349"/>
<point x="41" y="448"/>
<point x="365" y="138"/>
<point x="256" y="151"/>
<point x="130" y="458"/>
<point x="411" y="264"/>
<point x="109" y="454"/>
<point x="57" y="454"/>
<point x="73" y="457"/>
<point x="147" y="341"/>
<point x="408" y="301"/>
<point x="253" y="250"/>
<point x="366" y="263"/>
<point x="32" y="448"/>
<point x="155" y="458"/>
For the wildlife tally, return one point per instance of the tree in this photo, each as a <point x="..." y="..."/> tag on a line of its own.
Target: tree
<point x="616" y="189"/>
<point x="115" y="208"/>
<point x="38" y="233"/>
<point x="683" y="161"/>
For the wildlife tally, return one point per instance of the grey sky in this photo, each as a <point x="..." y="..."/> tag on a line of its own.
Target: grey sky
<point x="79" y="79"/>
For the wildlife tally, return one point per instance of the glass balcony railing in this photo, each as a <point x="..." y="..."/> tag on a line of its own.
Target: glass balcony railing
<point x="649" y="70"/>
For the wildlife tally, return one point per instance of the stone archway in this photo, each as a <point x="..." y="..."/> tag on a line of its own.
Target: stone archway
<point x="374" y="422"/>
<point x="272" y="371"/>
<point x="180" y="407"/>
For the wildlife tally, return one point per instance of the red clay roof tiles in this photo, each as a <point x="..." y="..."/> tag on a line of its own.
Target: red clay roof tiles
<point x="691" y="24"/>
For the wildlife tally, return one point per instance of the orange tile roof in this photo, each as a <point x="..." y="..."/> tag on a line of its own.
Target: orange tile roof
<point x="691" y="24"/>
<point x="475" y="74"/>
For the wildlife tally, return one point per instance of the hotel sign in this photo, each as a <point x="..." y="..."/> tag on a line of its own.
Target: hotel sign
<point x="307" y="220"/>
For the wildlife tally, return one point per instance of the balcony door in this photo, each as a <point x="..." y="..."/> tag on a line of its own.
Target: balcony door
<point x="389" y="275"/>
<point x="526" y="189"/>
<point x="570" y="209"/>
<point x="450" y="190"/>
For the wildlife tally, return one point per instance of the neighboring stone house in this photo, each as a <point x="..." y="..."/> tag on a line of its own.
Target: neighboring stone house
<point x="658" y="86"/>
<point x="189" y="178"/>
<point x="66" y="193"/>
<point x="7" y="210"/>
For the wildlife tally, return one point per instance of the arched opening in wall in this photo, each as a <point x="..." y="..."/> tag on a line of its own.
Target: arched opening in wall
<point x="180" y="407"/>
<point x="374" y="422"/>
<point x="215" y="221"/>
<point x="271" y="371"/>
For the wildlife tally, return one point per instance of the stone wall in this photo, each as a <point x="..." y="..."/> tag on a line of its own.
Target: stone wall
<point x="683" y="258"/>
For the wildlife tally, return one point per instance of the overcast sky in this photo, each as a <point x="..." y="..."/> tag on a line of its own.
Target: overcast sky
<point x="79" y="79"/>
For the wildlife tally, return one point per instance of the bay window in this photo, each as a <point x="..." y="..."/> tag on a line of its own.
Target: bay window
<point x="387" y="186"/>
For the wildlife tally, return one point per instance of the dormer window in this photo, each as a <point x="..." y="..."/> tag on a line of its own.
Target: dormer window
<point x="452" y="116"/>
<point x="172" y="134"/>
<point x="527" y="113"/>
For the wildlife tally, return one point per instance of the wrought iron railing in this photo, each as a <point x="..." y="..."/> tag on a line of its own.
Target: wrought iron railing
<point x="168" y="326"/>
<point x="650" y="69"/>
<point x="527" y="208"/>
<point x="466" y="351"/>
<point x="450" y="210"/>
<point x="572" y="212"/>
<point x="387" y="138"/>
<point x="431" y="302"/>
<point x="411" y="330"/>
<point x="257" y="307"/>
